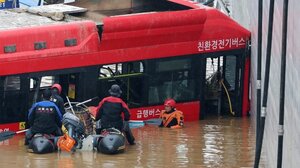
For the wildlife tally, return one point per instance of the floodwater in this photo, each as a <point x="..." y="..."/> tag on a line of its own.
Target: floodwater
<point x="209" y="143"/>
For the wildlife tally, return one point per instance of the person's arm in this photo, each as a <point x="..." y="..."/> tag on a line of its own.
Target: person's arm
<point x="99" y="114"/>
<point x="58" y="116"/>
<point x="98" y="110"/>
<point x="58" y="120"/>
<point x="161" y="114"/>
<point x="31" y="114"/>
<point x="161" y="117"/>
<point x="62" y="107"/>
<point x="126" y="111"/>
<point x="179" y="117"/>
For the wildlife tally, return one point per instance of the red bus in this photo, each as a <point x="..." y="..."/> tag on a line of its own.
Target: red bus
<point x="154" y="50"/>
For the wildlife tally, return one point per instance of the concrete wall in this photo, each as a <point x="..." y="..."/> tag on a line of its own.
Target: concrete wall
<point x="246" y="12"/>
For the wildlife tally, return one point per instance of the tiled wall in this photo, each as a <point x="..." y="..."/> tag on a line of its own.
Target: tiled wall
<point x="245" y="12"/>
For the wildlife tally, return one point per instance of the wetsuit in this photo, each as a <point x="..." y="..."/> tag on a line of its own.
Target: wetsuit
<point x="44" y="117"/>
<point x="172" y="119"/>
<point x="109" y="111"/>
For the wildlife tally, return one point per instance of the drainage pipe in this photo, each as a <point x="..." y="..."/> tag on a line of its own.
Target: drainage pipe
<point x="282" y="83"/>
<point x="258" y="81"/>
<point x="266" y="86"/>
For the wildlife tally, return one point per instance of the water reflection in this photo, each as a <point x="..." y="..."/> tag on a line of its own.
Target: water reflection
<point x="227" y="142"/>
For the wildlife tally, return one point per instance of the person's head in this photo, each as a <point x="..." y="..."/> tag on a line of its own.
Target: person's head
<point x="115" y="90"/>
<point x="56" y="88"/>
<point x="170" y="104"/>
<point x="46" y="94"/>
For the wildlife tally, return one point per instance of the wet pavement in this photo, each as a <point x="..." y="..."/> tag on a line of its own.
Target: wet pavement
<point x="226" y="142"/>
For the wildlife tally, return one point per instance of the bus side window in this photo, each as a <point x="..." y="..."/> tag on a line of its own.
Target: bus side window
<point x="11" y="97"/>
<point x="110" y="70"/>
<point x="171" y="78"/>
<point x="46" y="82"/>
<point x="129" y="76"/>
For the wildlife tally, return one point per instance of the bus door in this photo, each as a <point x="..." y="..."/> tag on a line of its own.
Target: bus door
<point x="41" y="81"/>
<point x="223" y="84"/>
<point x="77" y="84"/>
<point x="69" y="84"/>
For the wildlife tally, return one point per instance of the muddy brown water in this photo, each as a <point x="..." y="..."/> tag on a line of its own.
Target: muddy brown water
<point x="214" y="142"/>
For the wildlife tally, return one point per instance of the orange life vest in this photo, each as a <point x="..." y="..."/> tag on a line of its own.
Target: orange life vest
<point x="173" y="119"/>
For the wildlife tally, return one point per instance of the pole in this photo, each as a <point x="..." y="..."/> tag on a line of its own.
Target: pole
<point x="266" y="87"/>
<point x="282" y="83"/>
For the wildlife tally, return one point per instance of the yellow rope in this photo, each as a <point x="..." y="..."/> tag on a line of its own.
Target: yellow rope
<point x="228" y="97"/>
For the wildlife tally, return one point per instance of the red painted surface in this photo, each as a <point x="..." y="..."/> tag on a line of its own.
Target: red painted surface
<point x="55" y="56"/>
<point x="125" y="38"/>
<point x="10" y="127"/>
<point x="191" y="111"/>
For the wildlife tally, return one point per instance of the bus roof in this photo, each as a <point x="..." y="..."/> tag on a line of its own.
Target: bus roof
<point x="83" y="10"/>
<point x="37" y="16"/>
<point x="185" y="30"/>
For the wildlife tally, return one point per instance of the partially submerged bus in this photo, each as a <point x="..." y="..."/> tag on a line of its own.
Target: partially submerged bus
<point x="153" y="49"/>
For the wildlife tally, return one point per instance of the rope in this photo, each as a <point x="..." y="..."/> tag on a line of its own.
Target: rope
<point x="228" y="97"/>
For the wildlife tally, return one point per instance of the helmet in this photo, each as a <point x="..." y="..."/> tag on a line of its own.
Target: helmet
<point x="115" y="90"/>
<point x="57" y="86"/>
<point x="170" y="102"/>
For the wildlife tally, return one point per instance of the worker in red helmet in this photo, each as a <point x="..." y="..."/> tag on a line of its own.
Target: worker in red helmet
<point x="56" y="98"/>
<point x="171" y="117"/>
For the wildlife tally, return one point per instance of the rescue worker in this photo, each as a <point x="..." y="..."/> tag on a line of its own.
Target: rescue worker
<point x="44" y="117"/>
<point x="109" y="112"/>
<point x="171" y="117"/>
<point x="56" y="98"/>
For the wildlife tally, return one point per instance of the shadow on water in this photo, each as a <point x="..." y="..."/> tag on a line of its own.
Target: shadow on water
<point x="214" y="142"/>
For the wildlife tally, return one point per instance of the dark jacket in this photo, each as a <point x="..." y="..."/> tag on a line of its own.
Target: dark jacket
<point x="110" y="111"/>
<point x="59" y="101"/>
<point x="44" y="117"/>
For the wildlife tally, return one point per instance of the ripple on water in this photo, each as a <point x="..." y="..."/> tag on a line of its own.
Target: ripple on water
<point x="228" y="142"/>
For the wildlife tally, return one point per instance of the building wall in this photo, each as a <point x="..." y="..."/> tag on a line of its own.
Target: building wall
<point x="246" y="12"/>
